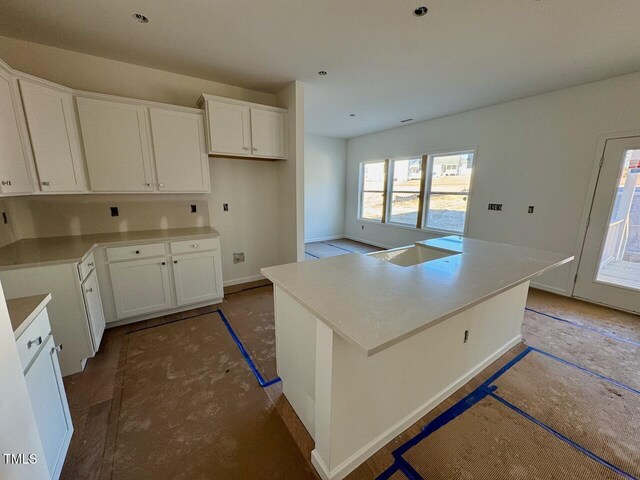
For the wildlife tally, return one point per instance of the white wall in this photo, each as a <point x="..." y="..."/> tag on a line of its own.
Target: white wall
<point x="534" y="151"/>
<point x="265" y="218"/>
<point x="18" y="430"/>
<point x="325" y="170"/>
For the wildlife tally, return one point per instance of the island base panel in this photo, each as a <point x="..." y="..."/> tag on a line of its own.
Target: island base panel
<point x="353" y="404"/>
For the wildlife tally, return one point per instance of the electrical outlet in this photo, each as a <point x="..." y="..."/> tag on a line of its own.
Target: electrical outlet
<point x="114" y="212"/>
<point x="225" y="207"/>
<point x="495" y="206"/>
<point x="530" y="209"/>
<point x="362" y="227"/>
<point x="466" y="336"/>
<point x="194" y="209"/>
<point x="238" y="257"/>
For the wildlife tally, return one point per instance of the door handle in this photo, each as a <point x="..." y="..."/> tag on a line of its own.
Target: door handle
<point x="36" y="341"/>
<point x="45" y="184"/>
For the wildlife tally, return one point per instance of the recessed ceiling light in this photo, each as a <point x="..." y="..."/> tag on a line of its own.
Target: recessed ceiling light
<point x="352" y="114"/>
<point x="420" y="11"/>
<point x="406" y="120"/>
<point x="140" y="18"/>
<point x="322" y="72"/>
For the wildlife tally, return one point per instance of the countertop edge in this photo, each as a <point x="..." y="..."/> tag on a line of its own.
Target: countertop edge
<point x="32" y="316"/>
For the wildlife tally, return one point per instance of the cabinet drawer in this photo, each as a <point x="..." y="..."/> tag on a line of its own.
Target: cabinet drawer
<point x="132" y="252"/>
<point x="34" y="336"/>
<point x="85" y="267"/>
<point x="189" y="246"/>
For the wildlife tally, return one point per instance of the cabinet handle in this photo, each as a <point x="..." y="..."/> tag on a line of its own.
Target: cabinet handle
<point x="137" y="252"/>
<point x="161" y="184"/>
<point x="254" y="149"/>
<point x="195" y="245"/>
<point x="164" y="263"/>
<point x="36" y="341"/>
<point x="147" y="184"/>
<point x="45" y="184"/>
<point x="6" y="182"/>
<point x="175" y="261"/>
<point x="56" y="349"/>
<point x="89" y="290"/>
<point x="245" y="148"/>
<point x="91" y="264"/>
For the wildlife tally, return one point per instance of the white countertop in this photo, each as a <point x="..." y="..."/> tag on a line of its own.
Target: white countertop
<point x="23" y="310"/>
<point x="32" y="252"/>
<point x="374" y="304"/>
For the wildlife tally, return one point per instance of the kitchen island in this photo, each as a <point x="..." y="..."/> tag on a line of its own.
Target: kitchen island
<point x="368" y="344"/>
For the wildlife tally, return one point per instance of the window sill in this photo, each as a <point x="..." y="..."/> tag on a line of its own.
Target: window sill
<point x="414" y="229"/>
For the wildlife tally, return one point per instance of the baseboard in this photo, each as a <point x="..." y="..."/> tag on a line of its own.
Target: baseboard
<point x="149" y="316"/>
<point x="359" y="457"/>
<point x="323" y="239"/>
<point x="547" y="288"/>
<point x="238" y="281"/>
<point x="368" y="242"/>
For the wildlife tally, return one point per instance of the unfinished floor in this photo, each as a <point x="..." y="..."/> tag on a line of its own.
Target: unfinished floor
<point x="123" y="403"/>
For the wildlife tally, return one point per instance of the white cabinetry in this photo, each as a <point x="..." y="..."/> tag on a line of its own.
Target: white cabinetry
<point x="245" y="129"/>
<point x="116" y="145"/>
<point x="54" y="137"/>
<point x="197" y="277"/>
<point x="148" y="279"/>
<point x="140" y="287"/>
<point x="48" y="398"/>
<point x="179" y="150"/>
<point x="14" y="154"/>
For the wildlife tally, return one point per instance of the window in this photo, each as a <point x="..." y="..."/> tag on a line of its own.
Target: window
<point x="406" y="188"/>
<point x="372" y="190"/>
<point x="429" y="191"/>
<point x="448" y="191"/>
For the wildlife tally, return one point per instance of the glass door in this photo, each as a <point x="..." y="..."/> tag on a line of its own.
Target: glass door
<point x="609" y="270"/>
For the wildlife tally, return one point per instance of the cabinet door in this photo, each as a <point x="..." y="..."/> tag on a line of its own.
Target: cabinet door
<point x="198" y="277"/>
<point x="267" y="133"/>
<point x="93" y="304"/>
<point x="180" y="152"/>
<point x="14" y="170"/>
<point x="229" y="129"/>
<point x="140" y="287"/>
<point x="116" y="145"/>
<point x="54" y="137"/>
<point x="50" y="408"/>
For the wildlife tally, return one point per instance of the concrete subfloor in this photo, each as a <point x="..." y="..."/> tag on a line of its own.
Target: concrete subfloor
<point x="590" y="340"/>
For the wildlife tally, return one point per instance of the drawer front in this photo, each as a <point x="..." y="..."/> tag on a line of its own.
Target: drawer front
<point x="34" y="336"/>
<point x="191" y="246"/>
<point x="85" y="267"/>
<point x="133" y="252"/>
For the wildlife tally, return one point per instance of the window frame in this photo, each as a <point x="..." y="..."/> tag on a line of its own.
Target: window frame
<point x="362" y="191"/>
<point x="424" y="194"/>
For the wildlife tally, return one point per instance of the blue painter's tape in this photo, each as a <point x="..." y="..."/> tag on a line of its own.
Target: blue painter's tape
<point x="584" y="327"/>
<point x="336" y="246"/>
<point x="311" y="254"/>
<point x="388" y="472"/>
<point x="566" y="362"/>
<point x="503" y="370"/>
<point x="263" y="383"/>
<point x="560" y="436"/>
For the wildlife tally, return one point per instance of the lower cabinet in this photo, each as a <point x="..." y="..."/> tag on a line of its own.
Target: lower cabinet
<point x="197" y="277"/>
<point x="140" y="287"/>
<point x="93" y="304"/>
<point x="161" y="277"/>
<point x="48" y="398"/>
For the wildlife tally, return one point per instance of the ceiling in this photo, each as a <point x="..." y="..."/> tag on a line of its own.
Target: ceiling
<point x="383" y="63"/>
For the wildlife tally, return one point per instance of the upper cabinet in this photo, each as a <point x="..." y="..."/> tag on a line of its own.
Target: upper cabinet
<point x="15" y="175"/>
<point x="242" y="129"/>
<point x="54" y="137"/>
<point x="179" y="149"/>
<point x="116" y="145"/>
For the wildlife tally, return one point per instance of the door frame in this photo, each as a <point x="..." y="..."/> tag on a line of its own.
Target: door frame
<point x="591" y="192"/>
